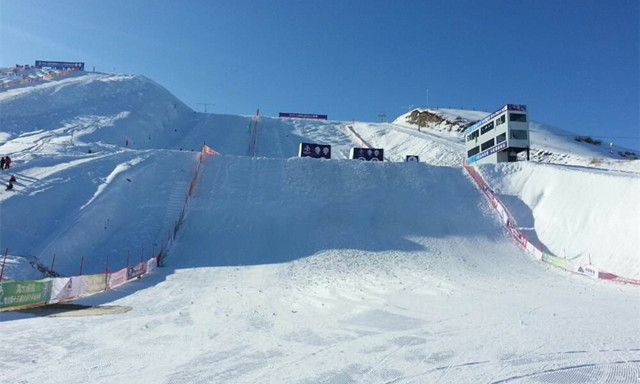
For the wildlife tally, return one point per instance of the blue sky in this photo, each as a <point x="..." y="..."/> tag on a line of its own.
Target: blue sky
<point x="574" y="63"/>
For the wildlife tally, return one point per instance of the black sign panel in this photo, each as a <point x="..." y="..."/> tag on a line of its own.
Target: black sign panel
<point x="412" y="159"/>
<point x="367" y="154"/>
<point x="59" y="64"/>
<point x="317" y="151"/>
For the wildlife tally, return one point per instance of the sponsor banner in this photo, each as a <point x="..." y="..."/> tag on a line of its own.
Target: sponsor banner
<point x="65" y="288"/>
<point x="117" y="278"/>
<point x="136" y="270"/>
<point x="587" y="270"/>
<point x="367" y="154"/>
<point x="303" y="115"/>
<point x="507" y="107"/>
<point x="317" y="151"/>
<point x="151" y="265"/>
<point x="24" y="293"/>
<point x="60" y="64"/>
<point x="488" y="152"/>
<point x="557" y="261"/>
<point x="91" y="284"/>
<point x="412" y="159"/>
<point x="537" y="253"/>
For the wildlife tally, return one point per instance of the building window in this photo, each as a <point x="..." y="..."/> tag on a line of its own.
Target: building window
<point x="486" y="128"/>
<point x="500" y="120"/>
<point x="473" y="151"/>
<point x="517" y="134"/>
<point x="501" y="137"/>
<point x="473" y="135"/>
<point x="488" y="144"/>
<point x="518" y="117"/>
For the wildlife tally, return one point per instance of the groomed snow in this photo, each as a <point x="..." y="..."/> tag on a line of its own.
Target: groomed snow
<point x="300" y="270"/>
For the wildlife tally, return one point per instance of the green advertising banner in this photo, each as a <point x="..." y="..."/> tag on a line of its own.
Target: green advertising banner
<point x="557" y="261"/>
<point x="24" y="293"/>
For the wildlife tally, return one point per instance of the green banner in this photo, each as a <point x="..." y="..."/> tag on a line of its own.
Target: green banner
<point x="557" y="261"/>
<point x="24" y="293"/>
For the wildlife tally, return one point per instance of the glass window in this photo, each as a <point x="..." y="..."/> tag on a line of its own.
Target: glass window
<point x="500" y="120"/>
<point x="518" y="117"/>
<point x="486" y="128"/>
<point x="501" y="137"/>
<point x="488" y="144"/>
<point x="517" y="134"/>
<point x="473" y="151"/>
<point x="473" y="135"/>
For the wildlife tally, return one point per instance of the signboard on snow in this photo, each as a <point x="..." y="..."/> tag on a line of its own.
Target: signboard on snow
<point x="303" y="115"/>
<point x="367" y="154"/>
<point x="317" y="151"/>
<point x="412" y="159"/>
<point x="60" y="65"/>
<point x="588" y="270"/>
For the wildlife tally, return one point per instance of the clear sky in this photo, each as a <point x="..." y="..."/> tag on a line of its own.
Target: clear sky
<point x="574" y="63"/>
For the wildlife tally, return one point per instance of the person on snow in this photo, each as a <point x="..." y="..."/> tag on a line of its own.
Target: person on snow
<point x="12" y="179"/>
<point x="2" y="163"/>
<point x="7" y="162"/>
<point x="9" y="186"/>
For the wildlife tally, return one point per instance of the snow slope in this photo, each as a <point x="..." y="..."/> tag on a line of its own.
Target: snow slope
<point x="300" y="270"/>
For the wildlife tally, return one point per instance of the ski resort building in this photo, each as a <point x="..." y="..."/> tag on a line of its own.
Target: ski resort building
<point x="499" y="137"/>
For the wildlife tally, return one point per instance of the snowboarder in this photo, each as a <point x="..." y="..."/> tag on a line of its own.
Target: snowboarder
<point x="2" y="163"/>
<point x="7" y="162"/>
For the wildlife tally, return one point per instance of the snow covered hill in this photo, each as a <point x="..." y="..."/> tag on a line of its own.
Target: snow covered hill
<point x="301" y="270"/>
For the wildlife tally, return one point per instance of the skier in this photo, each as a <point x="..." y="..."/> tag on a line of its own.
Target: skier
<point x="7" y="162"/>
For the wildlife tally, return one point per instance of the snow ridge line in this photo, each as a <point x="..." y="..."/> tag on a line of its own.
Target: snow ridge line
<point x="512" y="226"/>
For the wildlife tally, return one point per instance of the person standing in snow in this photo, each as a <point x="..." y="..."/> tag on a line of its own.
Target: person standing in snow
<point x="2" y="163"/>
<point x="7" y="162"/>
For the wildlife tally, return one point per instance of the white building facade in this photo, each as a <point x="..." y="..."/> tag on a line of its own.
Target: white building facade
<point x="499" y="137"/>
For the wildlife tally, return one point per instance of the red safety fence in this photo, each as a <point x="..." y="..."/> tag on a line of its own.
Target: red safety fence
<point x="26" y="294"/>
<point x="537" y="249"/>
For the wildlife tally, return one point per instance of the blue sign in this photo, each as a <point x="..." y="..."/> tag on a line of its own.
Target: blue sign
<point x="303" y="115"/>
<point x="412" y="159"/>
<point x="316" y="151"/>
<point x="486" y="153"/>
<point x="60" y="65"/>
<point x="367" y="154"/>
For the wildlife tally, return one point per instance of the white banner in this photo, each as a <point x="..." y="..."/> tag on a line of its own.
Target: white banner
<point x="117" y="278"/>
<point x="65" y="288"/>
<point x="587" y="270"/>
<point x="151" y="265"/>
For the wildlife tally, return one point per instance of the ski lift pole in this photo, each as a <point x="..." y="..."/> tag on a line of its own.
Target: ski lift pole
<point x="4" y="260"/>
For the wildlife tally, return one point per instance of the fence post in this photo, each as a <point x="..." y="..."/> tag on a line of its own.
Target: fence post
<point x="127" y="259"/>
<point x="6" y="252"/>
<point x="53" y="260"/>
<point x="81" y="264"/>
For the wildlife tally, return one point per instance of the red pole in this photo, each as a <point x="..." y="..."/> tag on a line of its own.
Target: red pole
<point x="81" y="264"/>
<point x="6" y="252"/>
<point x="53" y="260"/>
<point x="141" y="253"/>
<point x="106" y="265"/>
<point x="127" y="259"/>
<point x="153" y="250"/>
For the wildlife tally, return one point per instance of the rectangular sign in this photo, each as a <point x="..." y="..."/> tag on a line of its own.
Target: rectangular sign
<point x="65" y="288"/>
<point x="412" y="159"/>
<point x="60" y="64"/>
<point x="24" y="293"/>
<point x="316" y="151"/>
<point x="93" y="283"/>
<point x="488" y="152"/>
<point x="136" y="270"/>
<point x="367" y="154"/>
<point x="117" y="278"/>
<point x="303" y="115"/>
<point x="507" y="107"/>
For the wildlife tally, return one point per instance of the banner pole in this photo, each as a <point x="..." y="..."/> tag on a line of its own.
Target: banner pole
<point x="81" y="264"/>
<point x="127" y="259"/>
<point x="6" y="252"/>
<point x="53" y="260"/>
